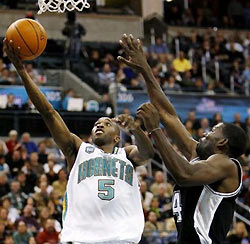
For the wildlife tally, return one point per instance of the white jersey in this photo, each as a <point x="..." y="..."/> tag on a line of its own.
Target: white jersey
<point x="102" y="201"/>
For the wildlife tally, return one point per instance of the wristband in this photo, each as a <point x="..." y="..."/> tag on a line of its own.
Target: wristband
<point x="155" y="129"/>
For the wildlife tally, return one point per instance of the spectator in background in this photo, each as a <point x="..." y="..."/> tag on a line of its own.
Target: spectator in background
<point x="159" y="179"/>
<point x="49" y="234"/>
<point x="4" y="185"/>
<point x="106" y="105"/>
<point x="2" y="232"/>
<point x="109" y="59"/>
<point x="9" y="225"/>
<point x="29" y="106"/>
<point x="69" y="93"/>
<point x="3" y="148"/>
<point x="246" y="72"/>
<point x="106" y="78"/>
<point x="15" y="162"/>
<point x="164" y="201"/>
<point x="151" y="229"/>
<point x="171" y="85"/>
<point x="39" y="80"/>
<point x="192" y="118"/>
<point x="159" y="47"/>
<point x="237" y="121"/>
<point x="13" y="213"/>
<point x="24" y="186"/>
<point x="11" y="103"/>
<point x="12" y="143"/>
<point x="235" y="12"/>
<point x="17" y="197"/>
<point x="60" y="185"/>
<point x="73" y="31"/>
<point x="35" y="166"/>
<point x="41" y="198"/>
<point x="181" y="64"/>
<point x="28" y="144"/>
<point x="8" y="240"/>
<point x="135" y="84"/>
<point x="5" y="78"/>
<point x="3" y="166"/>
<point x="146" y="196"/>
<point x="30" y="15"/>
<point x="21" y="235"/>
<point x="217" y="118"/>
<point x="188" y="18"/>
<point x="42" y="153"/>
<point x="239" y="234"/>
<point x="205" y="125"/>
<point x="95" y="61"/>
<point x="51" y="170"/>
<point x="28" y="218"/>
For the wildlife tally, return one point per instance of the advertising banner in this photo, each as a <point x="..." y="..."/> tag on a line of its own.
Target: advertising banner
<point x="203" y="105"/>
<point x="53" y="94"/>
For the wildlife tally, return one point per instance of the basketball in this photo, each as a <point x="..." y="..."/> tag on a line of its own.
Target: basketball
<point x="29" y="35"/>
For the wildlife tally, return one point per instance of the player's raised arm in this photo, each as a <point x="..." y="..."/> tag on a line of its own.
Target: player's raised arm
<point x="66" y="141"/>
<point x="215" y="165"/>
<point x="175" y="129"/>
<point x="143" y="150"/>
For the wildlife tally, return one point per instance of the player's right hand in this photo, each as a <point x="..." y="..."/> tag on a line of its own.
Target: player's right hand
<point x="12" y="53"/>
<point x="133" y="49"/>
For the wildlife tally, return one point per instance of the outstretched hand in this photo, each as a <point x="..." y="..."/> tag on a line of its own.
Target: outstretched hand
<point x="149" y="115"/>
<point x="127" y="123"/>
<point x="13" y="53"/>
<point x="133" y="49"/>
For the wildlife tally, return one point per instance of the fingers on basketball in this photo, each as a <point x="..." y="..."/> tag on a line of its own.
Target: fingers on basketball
<point x="30" y="36"/>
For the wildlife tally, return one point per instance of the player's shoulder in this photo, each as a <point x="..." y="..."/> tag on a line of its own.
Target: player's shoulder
<point x="222" y="161"/>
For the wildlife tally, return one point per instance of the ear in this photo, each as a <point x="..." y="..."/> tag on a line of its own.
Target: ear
<point x="117" y="139"/>
<point x="222" y="142"/>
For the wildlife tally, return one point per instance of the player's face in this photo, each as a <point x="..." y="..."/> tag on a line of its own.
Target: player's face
<point x="105" y="132"/>
<point x="207" y="144"/>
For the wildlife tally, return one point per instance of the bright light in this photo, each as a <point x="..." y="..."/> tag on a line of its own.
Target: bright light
<point x="168" y="0"/>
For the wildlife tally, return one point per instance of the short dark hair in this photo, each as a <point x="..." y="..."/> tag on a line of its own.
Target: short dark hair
<point x="237" y="139"/>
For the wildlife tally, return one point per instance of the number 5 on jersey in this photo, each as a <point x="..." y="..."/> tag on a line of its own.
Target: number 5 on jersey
<point x="176" y="203"/>
<point x="106" y="191"/>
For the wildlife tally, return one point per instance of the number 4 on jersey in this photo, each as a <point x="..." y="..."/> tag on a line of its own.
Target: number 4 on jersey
<point x="177" y="205"/>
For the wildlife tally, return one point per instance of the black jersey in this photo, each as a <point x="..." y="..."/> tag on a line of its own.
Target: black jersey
<point x="202" y="215"/>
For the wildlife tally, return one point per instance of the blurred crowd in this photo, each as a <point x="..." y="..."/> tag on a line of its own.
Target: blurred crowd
<point x="208" y="63"/>
<point x="33" y="180"/>
<point x="206" y="13"/>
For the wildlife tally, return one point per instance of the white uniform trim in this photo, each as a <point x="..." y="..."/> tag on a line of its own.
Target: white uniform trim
<point x="207" y="205"/>
<point x="204" y="214"/>
<point x="230" y="194"/>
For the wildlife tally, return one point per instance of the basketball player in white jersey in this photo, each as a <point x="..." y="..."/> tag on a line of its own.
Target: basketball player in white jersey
<point x="209" y="177"/>
<point x="102" y="202"/>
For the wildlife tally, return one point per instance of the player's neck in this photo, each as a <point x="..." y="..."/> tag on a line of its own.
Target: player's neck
<point x="107" y="148"/>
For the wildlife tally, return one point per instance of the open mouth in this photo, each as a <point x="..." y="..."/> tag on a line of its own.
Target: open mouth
<point x="99" y="132"/>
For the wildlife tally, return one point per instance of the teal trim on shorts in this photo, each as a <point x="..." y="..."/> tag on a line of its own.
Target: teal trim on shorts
<point x="65" y="205"/>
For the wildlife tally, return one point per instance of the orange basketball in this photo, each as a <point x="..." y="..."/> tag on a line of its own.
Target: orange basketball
<point x="29" y="35"/>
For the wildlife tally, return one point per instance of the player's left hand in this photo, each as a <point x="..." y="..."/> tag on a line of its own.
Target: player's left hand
<point x="12" y="53"/>
<point x="150" y="116"/>
<point x="127" y="123"/>
<point x="133" y="49"/>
